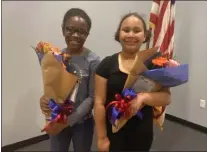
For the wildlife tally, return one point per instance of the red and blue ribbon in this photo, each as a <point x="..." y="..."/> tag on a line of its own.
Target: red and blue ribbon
<point x="120" y="107"/>
<point x="59" y="113"/>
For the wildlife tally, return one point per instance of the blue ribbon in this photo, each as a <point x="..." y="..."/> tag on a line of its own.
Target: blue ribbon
<point x="132" y="94"/>
<point x="129" y="92"/>
<point x="56" y="109"/>
<point x="115" y="114"/>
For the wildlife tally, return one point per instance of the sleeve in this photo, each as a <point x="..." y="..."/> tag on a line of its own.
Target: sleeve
<point x="103" y="69"/>
<point x="87" y="105"/>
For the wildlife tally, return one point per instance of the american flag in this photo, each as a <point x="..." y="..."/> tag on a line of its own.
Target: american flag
<point x="162" y="21"/>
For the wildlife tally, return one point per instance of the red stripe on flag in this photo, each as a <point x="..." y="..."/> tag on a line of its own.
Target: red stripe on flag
<point x="153" y="18"/>
<point x="167" y="37"/>
<point x="159" y="22"/>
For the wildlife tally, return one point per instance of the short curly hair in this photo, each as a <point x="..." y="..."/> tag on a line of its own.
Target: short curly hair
<point x="77" y="12"/>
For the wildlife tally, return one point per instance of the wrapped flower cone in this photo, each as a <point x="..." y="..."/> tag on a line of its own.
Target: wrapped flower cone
<point x="137" y="68"/>
<point x="58" y="85"/>
<point x="138" y="65"/>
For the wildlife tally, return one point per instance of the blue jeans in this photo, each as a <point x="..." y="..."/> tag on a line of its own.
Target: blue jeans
<point x="81" y="135"/>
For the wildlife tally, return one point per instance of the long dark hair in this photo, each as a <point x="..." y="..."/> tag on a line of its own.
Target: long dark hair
<point x="146" y="31"/>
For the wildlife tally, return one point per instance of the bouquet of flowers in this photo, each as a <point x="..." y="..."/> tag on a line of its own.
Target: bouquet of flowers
<point x="58" y="85"/>
<point x="163" y="73"/>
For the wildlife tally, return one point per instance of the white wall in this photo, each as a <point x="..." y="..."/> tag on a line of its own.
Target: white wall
<point x="23" y="25"/>
<point x="191" y="48"/>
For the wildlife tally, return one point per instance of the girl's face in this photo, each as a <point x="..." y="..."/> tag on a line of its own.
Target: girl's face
<point x="132" y="34"/>
<point x="75" y="32"/>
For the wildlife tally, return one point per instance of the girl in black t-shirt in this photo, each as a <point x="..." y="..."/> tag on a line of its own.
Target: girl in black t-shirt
<point x="136" y="134"/>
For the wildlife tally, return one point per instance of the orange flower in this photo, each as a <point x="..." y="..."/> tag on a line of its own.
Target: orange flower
<point x="45" y="47"/>
<point x="160" y="61"/>
<point x="66" y="57"/>
<point x="55" y="50"/>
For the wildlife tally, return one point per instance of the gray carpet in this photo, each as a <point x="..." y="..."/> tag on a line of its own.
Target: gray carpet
<point x="175" y="137"/>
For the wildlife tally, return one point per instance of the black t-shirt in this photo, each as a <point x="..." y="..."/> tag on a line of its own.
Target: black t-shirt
<point x="142" y="129"/>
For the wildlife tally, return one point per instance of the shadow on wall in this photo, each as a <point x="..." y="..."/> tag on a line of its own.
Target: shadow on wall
<point x="21" y="122"/>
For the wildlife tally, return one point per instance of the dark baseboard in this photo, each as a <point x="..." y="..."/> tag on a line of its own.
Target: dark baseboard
<point x="186" y="123"/>
<point x="24" y="143"/>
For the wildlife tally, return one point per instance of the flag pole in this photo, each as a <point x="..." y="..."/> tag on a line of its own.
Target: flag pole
<point x="148" y="42"/>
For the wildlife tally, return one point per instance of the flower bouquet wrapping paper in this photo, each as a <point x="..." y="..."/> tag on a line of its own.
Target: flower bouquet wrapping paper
<point x="163" y="73"/>
<point x="58" y="85"/>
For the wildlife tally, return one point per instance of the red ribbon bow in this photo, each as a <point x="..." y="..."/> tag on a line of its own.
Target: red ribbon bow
<point x="121" y="104"/>
<point x="61" y="117"/>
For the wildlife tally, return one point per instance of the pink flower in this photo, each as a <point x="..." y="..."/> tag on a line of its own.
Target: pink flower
<point x="172" y="63"/>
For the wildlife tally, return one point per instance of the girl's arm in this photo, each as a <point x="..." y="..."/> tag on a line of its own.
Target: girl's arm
<point x="99" y="108"/>
<point x="161" y="98"/>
